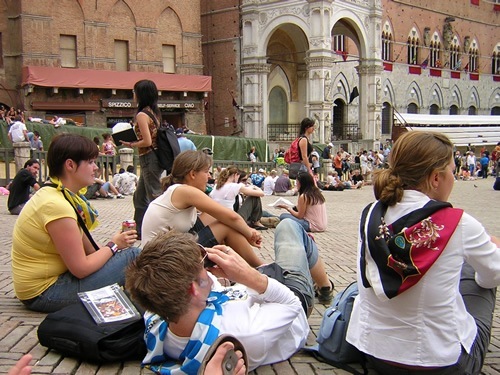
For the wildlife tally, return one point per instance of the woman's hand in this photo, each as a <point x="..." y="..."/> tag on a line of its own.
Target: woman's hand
<point x="255" y="239"/>
<point x="125" y="143"/>
<point x="283" y="206"/>
<point x="125" y="239"/>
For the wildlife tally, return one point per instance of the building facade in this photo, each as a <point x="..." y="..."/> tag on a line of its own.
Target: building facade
<point x="351" y="65"/>
<point x="80" y="59"/>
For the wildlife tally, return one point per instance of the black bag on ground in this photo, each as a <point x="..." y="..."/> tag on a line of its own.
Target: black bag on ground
<point x="167" y="144"/>
<point x="73" y="332"/>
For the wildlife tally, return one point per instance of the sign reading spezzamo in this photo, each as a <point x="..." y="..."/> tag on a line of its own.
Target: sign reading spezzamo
<point x="162" y="104"/>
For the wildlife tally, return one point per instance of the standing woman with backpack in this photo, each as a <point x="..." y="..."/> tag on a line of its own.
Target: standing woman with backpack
<point x="305" y="146"/>
<point x="149" y="186"/>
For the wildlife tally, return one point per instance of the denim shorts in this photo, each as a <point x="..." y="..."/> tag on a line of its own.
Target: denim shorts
<point x="204" y="235"/>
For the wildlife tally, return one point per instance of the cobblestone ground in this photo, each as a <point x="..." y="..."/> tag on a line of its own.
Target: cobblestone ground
<point x="338" y="247"/>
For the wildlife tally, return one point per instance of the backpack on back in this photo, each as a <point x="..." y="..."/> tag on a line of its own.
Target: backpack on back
<point x="167" y="145"/>
<point x="292" y="155"/>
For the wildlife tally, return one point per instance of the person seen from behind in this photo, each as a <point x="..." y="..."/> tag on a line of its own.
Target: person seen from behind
<point x="427" y="272"/>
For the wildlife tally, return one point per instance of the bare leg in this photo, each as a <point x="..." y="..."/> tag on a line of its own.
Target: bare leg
<point x="237" y="241"/>
<point x="319" y="275"/>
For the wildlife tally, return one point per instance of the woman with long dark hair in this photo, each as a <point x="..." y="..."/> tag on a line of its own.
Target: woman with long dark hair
<point x="311" y="208"/>
<point x="146" y="126"/>
<point x="427" y="272"/>
<point x="305" y="146"/>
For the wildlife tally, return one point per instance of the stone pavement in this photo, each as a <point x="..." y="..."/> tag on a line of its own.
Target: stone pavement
<point x="338" y="248"/>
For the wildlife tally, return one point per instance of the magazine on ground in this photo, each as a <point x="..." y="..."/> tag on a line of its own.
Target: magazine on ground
<point x="281" y="201"/>
<point x="109" y="305"/>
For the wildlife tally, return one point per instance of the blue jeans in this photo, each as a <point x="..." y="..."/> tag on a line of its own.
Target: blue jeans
<point x="303" y="222"/>
<point x="296" y="253"/>
<point x="65" y="290"/>
<point x="148" y="186"/>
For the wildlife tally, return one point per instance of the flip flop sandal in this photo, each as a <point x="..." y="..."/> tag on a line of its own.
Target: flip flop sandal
<point x="230" y="359"/>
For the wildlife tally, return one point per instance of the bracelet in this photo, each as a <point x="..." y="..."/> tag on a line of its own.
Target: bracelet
<point x="113" y="247"/>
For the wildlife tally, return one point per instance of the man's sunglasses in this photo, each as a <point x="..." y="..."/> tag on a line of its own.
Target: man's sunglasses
<point x="207" y="263"/>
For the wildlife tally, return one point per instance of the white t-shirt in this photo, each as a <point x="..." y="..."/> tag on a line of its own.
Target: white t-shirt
<point x="17" y="132"/>
<point x="226" y="195"/>
<point x="268" y="185"/>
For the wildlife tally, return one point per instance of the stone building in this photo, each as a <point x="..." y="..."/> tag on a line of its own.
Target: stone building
<point x="352" y="65"/>
<point x="79" y="59"/>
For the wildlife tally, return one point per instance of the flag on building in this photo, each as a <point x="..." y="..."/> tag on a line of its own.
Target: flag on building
<point x="354" y="94"/>
<point x="425" y="63"/>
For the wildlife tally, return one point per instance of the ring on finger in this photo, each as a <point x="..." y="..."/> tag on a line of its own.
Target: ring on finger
<point x="227" y="250"/>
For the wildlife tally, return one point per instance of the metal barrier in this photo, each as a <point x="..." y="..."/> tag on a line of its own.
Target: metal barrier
<point x="8" y="170"/>
<point x="282" y="132"/>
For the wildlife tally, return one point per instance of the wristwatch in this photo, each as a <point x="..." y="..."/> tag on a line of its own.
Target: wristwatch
<point x="113" y="247"/>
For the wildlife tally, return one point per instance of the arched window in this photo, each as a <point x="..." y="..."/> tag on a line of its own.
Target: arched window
<point x="412" y="45"/>
<point x="495" y="111"/>
<point x="455" y="62"/>
<point x="387" y="118"/>
<point x="339" y="122"/>
<point x="473" y="56"/>
<point x="434" y="109"/>
<point x="495" y="62"/>
<point x="412" y="108"/>
<point x="278" y="106"/>
<point x="386" y="46"/>
<point x="472" y="111"/>
<point x="453" y="110"/>
<point x="435" y="54"/>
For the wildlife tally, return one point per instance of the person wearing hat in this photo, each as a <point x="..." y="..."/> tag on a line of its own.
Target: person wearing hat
<point x="283" y="185"/>
<point x="327" y="151"/>
<point x="184" y="143"/>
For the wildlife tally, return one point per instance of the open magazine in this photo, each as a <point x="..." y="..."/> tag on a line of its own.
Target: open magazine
<point x="109" y="304"/>
<point x="281" y="201"/>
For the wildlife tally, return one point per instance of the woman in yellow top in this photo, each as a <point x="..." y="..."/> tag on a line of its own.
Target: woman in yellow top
<point x="52" y="258"/>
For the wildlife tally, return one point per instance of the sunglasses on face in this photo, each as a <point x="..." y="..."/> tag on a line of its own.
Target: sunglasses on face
<point x="207" y="263"/>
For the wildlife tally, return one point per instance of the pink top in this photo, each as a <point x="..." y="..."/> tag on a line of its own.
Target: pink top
<point x="316" y="216"/>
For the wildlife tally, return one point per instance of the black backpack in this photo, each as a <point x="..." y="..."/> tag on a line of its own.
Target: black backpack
<point x="73" y="332"/>
<point x="167" y="145"/>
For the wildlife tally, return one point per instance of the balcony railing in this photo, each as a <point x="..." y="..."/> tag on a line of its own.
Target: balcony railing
<point x="282" y="132"/>
<point x="346" y="132"/>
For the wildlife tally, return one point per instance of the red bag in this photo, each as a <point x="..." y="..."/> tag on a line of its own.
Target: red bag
<point x="292" y="155"/>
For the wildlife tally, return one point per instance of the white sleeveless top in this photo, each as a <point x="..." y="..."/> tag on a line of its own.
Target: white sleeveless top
<point x="162" y="216"/>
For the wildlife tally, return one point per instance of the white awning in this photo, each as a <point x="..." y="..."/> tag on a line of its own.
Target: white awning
<point x="416" y="119"/>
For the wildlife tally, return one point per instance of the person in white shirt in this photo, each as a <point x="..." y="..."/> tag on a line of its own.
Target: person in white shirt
<point x="427" y="272"/>
<point x="249" y="205"/>
<point x="126" y="182"/>
<point x="269" y="181"/>
<point x="266" y="310"/>
<point x="18" y="131"/>
<point x="471" y="162"/>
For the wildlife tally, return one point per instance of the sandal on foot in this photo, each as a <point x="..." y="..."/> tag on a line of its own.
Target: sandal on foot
<point x="230" y="358"/>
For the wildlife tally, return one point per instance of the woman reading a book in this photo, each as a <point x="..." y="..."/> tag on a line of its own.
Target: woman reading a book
<point x="311" y="209"/>
<point x="184" y="195"/>
<point x="427" y="272"/>
<point x="53" y="254"/>
<point x="149" y="186"/>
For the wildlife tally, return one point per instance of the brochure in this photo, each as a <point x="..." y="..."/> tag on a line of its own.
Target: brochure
<point x="281" y="201"/>
<point x="123" y="131"/>
<point x="109" y="304"/>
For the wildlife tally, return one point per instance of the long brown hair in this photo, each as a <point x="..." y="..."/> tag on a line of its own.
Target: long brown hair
<point x="184" y="163"/>
<point x="413" y="158"/>
<point x="225" y="174"/>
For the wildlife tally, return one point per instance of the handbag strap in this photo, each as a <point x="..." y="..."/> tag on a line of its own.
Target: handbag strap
<point x="78" y="217"/>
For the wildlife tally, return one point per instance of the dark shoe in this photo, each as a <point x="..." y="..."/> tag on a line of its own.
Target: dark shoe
<point x="230" y="359"/>
<point x="109" y="197"/>
<point x="119" y="196"/>
<point x="325" y="294"/>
